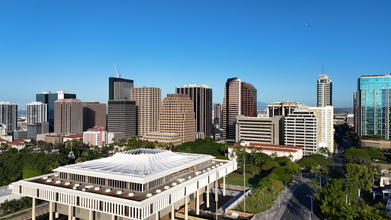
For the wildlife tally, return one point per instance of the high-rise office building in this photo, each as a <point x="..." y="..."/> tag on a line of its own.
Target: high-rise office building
<point x="9" y="116"/>
<point x="325" y="129"/>
<point x="94" y="114"/>
<point x="122" y="117"/>
<point x="36" y="113"/>
<point x="202" y="103"/>
<point x="119" y="88"/>
<point x="49" y="98"/>
<point x="148" y="101"/>
<point x="373" y="105"/>
<point x="301" y="130"/>
<point x="239" y="99"/>
<point x="355" y="111"/>
<point x="324" y="91"/>
<point x="281" y="108"/>
<point x="218" y="116"/>
<point x="249" y="100"/>
<point x="177" y="116"/>
<point x="68" y="116"/>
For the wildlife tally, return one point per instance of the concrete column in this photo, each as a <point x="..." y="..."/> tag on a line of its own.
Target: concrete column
<point x="113" y="217"/>
<point x="33" y="209"/>
<point x="198" y="202"/>
<point x="157" y="216"/>
<point x="172" y="212"/>
<point x="50" y="210"/>
<point x="216" y="191"/>
<point x="70" y="214"/>
<point x="186" y="208"/>
<point x="57" y="215"/>
<point x="223" y="185"/>
<point x="90" y="215"/>
<point x="207" y="195"/>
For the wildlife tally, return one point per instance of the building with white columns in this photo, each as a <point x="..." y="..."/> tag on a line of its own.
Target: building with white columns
<point x="136" y="184"/>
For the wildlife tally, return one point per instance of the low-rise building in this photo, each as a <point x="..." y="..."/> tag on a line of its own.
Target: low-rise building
<point x="163" y="138"/>
<point x="19" y="144"/>
<point x="137" y="184"/>
<point x="95" y="136"/>
<point x="72" y="137"/>
<point x="295" y="153"/>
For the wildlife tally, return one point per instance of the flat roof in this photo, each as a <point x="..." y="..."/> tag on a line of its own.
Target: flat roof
<point x="138" y="166"/>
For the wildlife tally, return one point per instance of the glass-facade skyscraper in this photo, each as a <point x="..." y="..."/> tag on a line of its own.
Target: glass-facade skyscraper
<point x="49" y="99"/>
<point x="119" y="88"/>
<point x="373" y="105"/>
<point x="324" y="91"/>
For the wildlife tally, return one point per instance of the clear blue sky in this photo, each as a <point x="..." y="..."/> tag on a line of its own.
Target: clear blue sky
<point x="71" y="45"/>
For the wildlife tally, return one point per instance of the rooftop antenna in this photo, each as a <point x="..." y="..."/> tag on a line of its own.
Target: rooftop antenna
<point x="322" y="69"/>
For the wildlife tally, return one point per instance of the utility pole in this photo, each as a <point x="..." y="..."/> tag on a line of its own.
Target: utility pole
<point x="312" y="211"/>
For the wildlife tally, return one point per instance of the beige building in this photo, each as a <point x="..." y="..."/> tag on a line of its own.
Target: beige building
<point x="68" y="116"/>
<point x="260" y="130"/>
<point x="95" y="136"/>
<point x="376" y="144"/>
<point x="325" y="117"/>
<point x="148" y="104"/>
<point x="177" y="116"/>
<point x="163" y="138"/>
<point x="94" y="114"/>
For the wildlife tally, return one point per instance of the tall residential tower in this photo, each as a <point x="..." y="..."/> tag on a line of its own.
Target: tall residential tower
<point x="9" y="116"/>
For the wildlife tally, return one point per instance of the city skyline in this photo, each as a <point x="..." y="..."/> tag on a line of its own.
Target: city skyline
<point x="63" y="46"/>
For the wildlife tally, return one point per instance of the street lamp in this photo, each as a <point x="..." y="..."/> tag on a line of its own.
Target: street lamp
<point x="311" y="202"/>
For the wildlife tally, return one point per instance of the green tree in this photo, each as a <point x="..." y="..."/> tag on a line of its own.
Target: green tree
<point x="276" y="186"/>
<point x="269" y="165"/>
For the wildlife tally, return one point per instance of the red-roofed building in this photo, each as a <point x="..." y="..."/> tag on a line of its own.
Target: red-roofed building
<point x="3" y="141"/>
<point x="280" y="150"/>
<point x="72" y="137"/>
<point x="19" y="144"/>
<point x="6" y="137"/>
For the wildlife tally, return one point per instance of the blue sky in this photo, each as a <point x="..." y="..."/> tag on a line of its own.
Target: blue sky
<point x="71" y="45"/>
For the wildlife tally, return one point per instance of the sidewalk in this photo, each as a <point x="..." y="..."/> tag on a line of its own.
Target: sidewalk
<point x="284" y="197"/>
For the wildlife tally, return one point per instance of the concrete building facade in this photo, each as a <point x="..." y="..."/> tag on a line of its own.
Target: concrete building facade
<point x="138" y="184"/>
<point x="281" y="108"/>
<point x="95" y="136"/>
<point x="122" y="117"/>
<point x="68" y="115"/>
<point x="37" y="113"/>
<point x="148" y="101"/>
<point x="94" y="114"/>
<point x="325" y="129"/>
<point x="260" y="130"/>
<point x="301" y="130"/>
<point x="163" y="138"/>
<point x="9" y="116"/>
<point x="177" y="116"/>
<point x="202" y="103"/>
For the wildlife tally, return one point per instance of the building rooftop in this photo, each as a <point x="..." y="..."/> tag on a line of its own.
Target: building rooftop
<point x="138" y="165"/>
<point x="74" y="136"/>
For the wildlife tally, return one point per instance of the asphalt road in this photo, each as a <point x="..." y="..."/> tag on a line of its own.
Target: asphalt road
<point x="299" y="206"/>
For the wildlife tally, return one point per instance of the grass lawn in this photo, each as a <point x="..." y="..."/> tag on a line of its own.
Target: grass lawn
<point x="237" y="179"/>
<point x="253" y="205"/>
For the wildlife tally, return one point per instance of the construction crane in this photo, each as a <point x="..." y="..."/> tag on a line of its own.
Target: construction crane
<point x="117" y="72"/>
